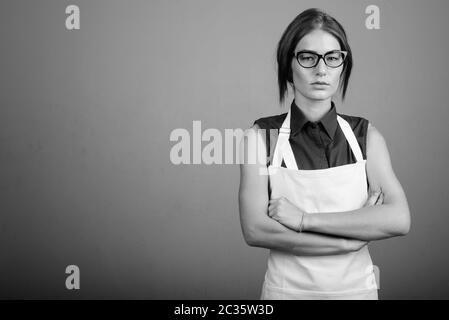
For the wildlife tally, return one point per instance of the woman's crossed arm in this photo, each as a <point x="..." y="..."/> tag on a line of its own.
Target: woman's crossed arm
<point x="388" y="219"/>
<point x="259" y="229"/>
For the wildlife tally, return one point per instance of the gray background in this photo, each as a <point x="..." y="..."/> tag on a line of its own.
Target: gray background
<point x="85" y="173"/>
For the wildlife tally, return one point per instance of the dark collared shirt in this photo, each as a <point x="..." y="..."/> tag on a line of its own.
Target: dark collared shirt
<point x="321" y="144"/>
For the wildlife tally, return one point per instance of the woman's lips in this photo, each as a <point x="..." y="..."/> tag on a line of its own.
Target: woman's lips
<point x="320" y="86"/>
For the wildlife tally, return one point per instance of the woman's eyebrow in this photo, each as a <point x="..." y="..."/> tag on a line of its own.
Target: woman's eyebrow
<point x="307" y="50"/>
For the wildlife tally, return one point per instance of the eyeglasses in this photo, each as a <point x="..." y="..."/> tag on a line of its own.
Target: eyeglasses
<point x="310" y="59"/>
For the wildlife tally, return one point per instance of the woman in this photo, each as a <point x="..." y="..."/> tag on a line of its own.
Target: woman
<point x="328" y="187"/>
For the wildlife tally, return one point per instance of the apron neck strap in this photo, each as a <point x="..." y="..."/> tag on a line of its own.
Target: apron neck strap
<point x="350" y="137"/>
<point x="283" y="149"/>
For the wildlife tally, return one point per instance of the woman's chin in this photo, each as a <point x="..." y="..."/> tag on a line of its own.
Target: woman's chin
<point x="319" y="95"/>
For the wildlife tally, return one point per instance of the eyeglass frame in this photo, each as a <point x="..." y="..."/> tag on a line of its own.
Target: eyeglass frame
<point x="321" y="56"/>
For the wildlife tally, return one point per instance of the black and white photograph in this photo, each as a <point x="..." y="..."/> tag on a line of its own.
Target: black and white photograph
<point x="212" y="150"/>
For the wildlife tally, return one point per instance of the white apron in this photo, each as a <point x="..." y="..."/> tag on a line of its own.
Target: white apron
<point x="337" y="189"/>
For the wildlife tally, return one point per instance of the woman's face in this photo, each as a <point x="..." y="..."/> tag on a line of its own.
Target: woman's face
<point x="321" y="42"/>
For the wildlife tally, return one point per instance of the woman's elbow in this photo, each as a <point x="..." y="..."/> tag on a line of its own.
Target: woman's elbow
<point x="253" y="235"/>
<point x="249" y="238"/>
<point x="403" y="224"/>
<point x="250" y="235"/>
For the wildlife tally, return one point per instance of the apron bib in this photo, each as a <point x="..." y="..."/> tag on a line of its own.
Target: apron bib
<point x="337" y="189"/>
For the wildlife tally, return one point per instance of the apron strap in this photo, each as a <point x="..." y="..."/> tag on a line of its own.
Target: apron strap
<point x="350" y="137"/>
<point x="283" y="149"/>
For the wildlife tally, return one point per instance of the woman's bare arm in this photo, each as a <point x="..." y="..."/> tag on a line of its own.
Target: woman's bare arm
<point x="390" y="219"/>
<point x="258" y="228"/>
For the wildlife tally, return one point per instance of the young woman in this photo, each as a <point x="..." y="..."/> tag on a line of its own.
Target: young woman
<point x="328" y="187"/>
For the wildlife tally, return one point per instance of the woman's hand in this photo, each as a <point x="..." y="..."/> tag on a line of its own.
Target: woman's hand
<point x="375" y="197"/>
<point x="285" y="212"/>
<point x="289" y="215"/>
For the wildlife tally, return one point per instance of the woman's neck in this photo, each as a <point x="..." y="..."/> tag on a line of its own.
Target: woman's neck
<point x="313" y="110"/>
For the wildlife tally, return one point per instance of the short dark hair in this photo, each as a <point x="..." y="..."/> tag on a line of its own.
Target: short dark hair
<point x="304" y="23"/>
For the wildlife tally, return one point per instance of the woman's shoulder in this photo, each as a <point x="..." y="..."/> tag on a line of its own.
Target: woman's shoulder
<point x="271" y="122"/>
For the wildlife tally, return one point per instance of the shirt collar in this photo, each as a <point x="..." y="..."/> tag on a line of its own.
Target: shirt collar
<point x="298" y="120"/>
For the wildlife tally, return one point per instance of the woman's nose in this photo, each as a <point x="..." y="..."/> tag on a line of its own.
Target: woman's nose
<point x="321" y="67"/>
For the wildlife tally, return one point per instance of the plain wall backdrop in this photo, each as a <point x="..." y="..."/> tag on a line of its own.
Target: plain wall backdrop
<point x="85" y="121"/>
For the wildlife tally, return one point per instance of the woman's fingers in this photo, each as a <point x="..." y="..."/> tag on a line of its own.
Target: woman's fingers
<point x="372" y="199"/>
<point x="272" y="204"/>
<point x="380" y="200"/>
<point x="270" y="209"/>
